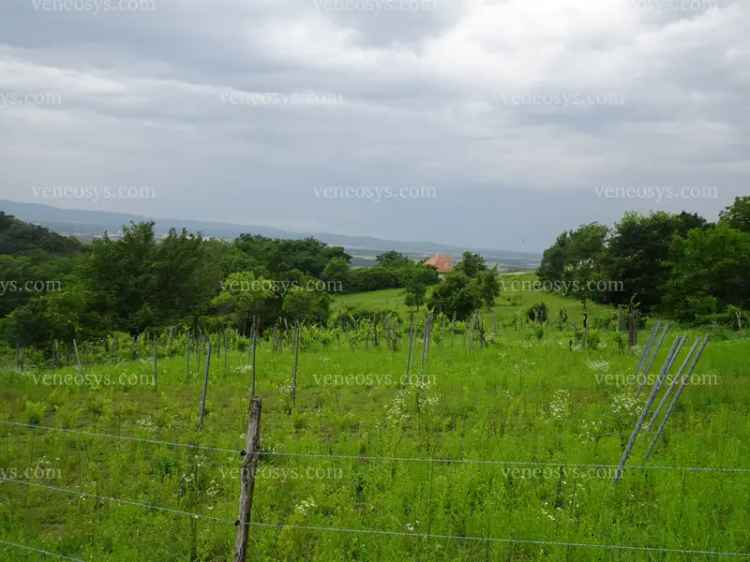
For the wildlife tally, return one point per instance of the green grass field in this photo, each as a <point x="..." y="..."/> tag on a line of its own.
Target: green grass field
<point x="358" y="468"/>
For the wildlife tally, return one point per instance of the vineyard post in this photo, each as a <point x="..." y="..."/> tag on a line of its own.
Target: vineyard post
<point x="427" y="337"/>
<point x="677" y="377"/>
<point x="187" y="358"/>
<point x="78" y="357"/>
<point x="226" y="353"/>
<point x="652" y="359"/>
<point x="632" y="329"/>
<point x="676" y="397"/>
<point x="411" y="343"/>
<point x="156" y="366"/>
<point x="295" y="364"/>
<point x="247" y="480"/>
<point x="673" y="352"/>
<point x="115" y="350"/>
<point x="647" y="348"/>
<point x="585" y="327"/>
<point x="204" y="392"/>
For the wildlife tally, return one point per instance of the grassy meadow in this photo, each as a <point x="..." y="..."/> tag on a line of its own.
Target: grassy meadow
<point x="358" y="468"/>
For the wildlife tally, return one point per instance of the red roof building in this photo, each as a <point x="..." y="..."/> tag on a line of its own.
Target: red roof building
<point x="443" y="264"/>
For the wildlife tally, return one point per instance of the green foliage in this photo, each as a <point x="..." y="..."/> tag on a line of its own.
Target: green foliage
<point x="337" y="272"/>
<point x="526" y="398"/>
<point x="675" y="263"/>
<point x="709" y="270"/>
<point x="572" y="262"/>
<point x="417" y="278"/>
<point x="489" y="287"/>
<point x="302" y="305"/>
<point x="393" y="260"/>
<point x="20" y="238"/>
<point x="537" y="313"/>
<point x="737" y="215"/>
<point x="275" y="258"/>
<point x="244" y="295"/>
<point x="471" y="264"/>
<point x="457" y="296"/>
<point x="137" y="283"/>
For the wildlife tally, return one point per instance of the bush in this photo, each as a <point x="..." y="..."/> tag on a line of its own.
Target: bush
<point x="537" y="313"/>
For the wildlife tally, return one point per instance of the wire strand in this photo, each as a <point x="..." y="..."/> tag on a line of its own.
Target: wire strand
<point x="538" y="542"/>
<point x="39" y="551"/>
<point x="322" y="456"/>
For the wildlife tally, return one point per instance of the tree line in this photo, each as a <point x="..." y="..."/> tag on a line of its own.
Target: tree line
<point x="678" y="265"/>
<point x="136" y="282"/>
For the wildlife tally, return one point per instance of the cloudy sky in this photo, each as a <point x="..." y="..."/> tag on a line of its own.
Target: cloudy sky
<point x="489" y="123"/>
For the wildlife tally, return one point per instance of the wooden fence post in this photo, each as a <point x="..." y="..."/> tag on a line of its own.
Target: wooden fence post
<point x="633" y="328"/>
<point x="253" y="351"/>
<point x="247" y="480"/>
<point x="204" y="392"/>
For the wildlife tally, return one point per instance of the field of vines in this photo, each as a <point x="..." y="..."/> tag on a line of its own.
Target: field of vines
<point x="499" y="444"/>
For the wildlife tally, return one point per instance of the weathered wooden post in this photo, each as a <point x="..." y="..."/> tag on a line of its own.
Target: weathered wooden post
<point x="247" y="480"/>
<point x="633" y="328"/>
<point x="253" y="352"/>
<point x="204" y="392"/>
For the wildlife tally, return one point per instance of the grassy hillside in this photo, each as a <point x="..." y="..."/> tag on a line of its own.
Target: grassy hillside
<point x="346" y="472"/>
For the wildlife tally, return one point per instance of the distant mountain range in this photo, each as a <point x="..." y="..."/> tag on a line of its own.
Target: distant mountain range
<point x="87" y="225"/>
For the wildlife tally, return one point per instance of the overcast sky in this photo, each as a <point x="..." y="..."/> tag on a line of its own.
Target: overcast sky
<point x="487" y="123"/>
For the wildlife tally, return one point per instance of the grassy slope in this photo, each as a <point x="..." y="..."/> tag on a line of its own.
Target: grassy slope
<point x="520" y="399"/>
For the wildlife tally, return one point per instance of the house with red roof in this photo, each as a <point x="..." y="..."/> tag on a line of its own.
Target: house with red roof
<point x="443" y="263"/>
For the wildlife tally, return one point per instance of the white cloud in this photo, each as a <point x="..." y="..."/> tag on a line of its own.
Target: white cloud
<point x="459" y="96"/>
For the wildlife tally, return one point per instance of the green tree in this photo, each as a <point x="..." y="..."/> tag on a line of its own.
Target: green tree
<point x="306" y="306"/>
<point x="393" y="260"/>
<point x="244" y="295"/>
<point x="471" y="264"/>
<point x="638" y="254"/>
<point x="337" y="272"/>
<point x="708" y="272"/>
<point x="737" y="215"/>
<point x="458" y="295"/>
<point x="489" y="287"/>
